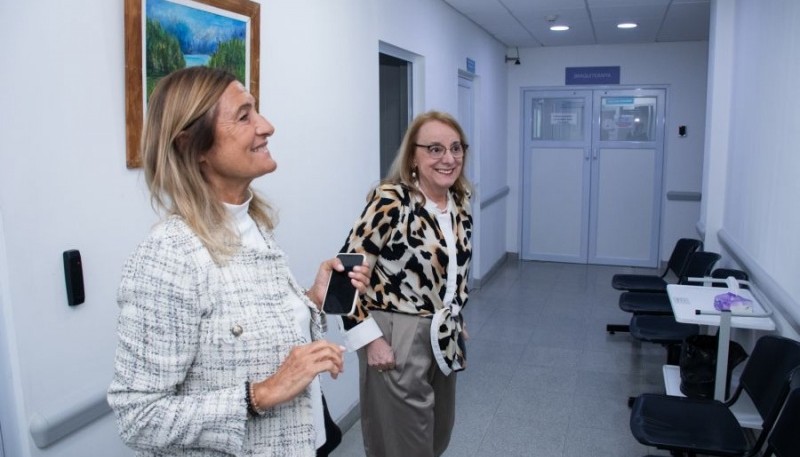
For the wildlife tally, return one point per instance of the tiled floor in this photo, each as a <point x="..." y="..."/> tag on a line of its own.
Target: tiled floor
<point x="544" y="377"/>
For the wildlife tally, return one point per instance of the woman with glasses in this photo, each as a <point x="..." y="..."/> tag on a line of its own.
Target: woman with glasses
<point x="219" y="348"/>
<point x="408" y="328"/>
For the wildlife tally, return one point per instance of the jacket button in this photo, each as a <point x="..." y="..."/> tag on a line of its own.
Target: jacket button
<point x="237" y="330"/>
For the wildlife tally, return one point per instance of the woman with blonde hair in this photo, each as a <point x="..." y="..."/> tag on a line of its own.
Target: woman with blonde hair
<point x="219" y="348"/>
<point x="415" y="232"/>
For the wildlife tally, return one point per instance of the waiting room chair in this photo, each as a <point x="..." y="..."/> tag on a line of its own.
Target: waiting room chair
<point x="708" y="427"/>
<point x="676" y="264"/>
<point x="784" y="441"/>
<point x="699" y="265"/>
<point x="658" y="303"/>
<point x="663" y="330"/>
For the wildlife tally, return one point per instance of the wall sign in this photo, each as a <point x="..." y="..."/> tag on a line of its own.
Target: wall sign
<point x="470" y="65"/>
<point x="592" y="75"/>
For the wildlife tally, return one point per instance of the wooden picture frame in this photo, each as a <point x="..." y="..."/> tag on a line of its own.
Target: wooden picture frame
<point x="235" y="20"/>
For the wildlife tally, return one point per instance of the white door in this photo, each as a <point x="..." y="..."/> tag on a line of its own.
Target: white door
<point x="592" y="163"/>
<point x="556" y="173"/>
<point x="627" y="177"/>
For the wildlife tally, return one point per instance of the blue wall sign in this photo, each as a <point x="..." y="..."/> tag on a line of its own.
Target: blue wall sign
<point x="592" y="75"/>
<point x="470" y="65"/>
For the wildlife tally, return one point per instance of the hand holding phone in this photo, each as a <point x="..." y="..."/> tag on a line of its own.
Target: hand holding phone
<point x="341" y="295"/>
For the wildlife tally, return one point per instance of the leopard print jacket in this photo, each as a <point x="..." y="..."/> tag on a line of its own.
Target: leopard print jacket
<point x="407" y="252"/>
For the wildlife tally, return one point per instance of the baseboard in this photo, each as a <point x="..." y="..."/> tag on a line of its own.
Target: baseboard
<point x="350" y="418"/>
<point x="476" y="283"/>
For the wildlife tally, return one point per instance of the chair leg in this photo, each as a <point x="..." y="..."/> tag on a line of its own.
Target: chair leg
<point x="673" y="354"/>
<point x="681" y="454"/>
<point x="613" y="328"/>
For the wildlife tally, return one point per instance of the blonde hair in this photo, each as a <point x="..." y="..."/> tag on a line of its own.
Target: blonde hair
<point x="179" y="129"/>
<point x="403" y="164"/>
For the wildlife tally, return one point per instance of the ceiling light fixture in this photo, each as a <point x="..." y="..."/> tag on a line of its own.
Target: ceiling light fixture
<point x="627" y="25"/>
<point x="556" y="27"/>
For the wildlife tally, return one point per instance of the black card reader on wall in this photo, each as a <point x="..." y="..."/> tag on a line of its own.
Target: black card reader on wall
<point x="73" y="275"/>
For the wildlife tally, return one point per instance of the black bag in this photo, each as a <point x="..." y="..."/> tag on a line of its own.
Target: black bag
<point x="698" y="365"/>
<point x="333" y="432"/>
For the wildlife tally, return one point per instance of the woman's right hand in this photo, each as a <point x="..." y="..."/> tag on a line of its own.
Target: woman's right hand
<point x="297" y="371"/>
<point x="380" y="355"/>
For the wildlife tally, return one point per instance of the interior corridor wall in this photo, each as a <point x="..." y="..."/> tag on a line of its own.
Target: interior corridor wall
<point x="758" y="169"/>
<point x="681" y="67"/>
<point x="64" y="184"/>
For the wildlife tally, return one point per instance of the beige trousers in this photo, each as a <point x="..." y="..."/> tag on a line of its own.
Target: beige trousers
<point x="408" y="411"/>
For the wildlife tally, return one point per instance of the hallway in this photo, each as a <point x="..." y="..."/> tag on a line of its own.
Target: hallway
<point x="544" y="378"/>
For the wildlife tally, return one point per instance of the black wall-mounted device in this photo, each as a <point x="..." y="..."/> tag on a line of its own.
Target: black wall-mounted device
<point x="73" y="275"/>
<point x="682" y="130"/>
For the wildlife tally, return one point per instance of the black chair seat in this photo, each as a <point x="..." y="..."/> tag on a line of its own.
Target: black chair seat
<point x="660" y="329"/>
<point x="645" y="303"/>
<point x="662" y="421"/>
<point x="638" y="283"/>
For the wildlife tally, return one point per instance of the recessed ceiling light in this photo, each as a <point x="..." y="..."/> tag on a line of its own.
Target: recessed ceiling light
<point x="627" y="25"/>
<point x="559" y="28"/>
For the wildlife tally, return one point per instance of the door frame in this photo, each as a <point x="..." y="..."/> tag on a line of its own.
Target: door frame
<point x="662" y="121"/>
<point x="468" y="121"/>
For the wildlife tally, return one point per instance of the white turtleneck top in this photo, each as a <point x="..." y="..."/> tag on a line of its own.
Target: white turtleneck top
<point x="251" y="237"/>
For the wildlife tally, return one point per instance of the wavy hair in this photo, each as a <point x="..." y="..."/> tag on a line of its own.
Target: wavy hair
<point x="178" y="131"/>
<point x="403" y="164"/>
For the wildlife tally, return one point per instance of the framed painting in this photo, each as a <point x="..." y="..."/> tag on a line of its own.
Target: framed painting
<point x="162" y="36"/>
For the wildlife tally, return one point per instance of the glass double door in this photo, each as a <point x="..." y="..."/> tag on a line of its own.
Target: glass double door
<point x="592" y="176"/>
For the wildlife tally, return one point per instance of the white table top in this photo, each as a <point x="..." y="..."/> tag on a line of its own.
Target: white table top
<point x="686" y="300"/>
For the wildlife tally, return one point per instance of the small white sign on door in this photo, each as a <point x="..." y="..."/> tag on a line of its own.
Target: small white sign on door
<point x="570" y="118"/>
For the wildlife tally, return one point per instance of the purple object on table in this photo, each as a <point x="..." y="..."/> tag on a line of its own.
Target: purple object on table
<point x="732" y="302"/>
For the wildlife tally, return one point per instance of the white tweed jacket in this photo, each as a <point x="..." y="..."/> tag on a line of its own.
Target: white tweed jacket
<point x="191" y="332"/>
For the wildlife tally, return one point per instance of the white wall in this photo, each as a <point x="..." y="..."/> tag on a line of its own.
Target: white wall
<point x="753" y="160"/>
<point x="679" y="66"/>
<point x="64" y="184"/>
<point x="763" y="188"/>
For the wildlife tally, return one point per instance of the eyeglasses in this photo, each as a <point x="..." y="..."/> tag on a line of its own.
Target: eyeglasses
<point x="437" y="150"/>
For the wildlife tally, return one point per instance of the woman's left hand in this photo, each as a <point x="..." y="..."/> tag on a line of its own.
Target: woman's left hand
<point x="358" y="278"/>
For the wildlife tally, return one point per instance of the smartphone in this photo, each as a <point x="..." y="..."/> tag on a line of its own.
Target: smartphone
<point x="341" y="295"/>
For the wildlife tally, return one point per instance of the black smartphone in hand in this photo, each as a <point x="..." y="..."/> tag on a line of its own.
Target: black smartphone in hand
<point x="341" y="295"/>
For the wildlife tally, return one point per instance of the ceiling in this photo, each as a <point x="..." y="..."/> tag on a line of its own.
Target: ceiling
<point x="526" y="23"/>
